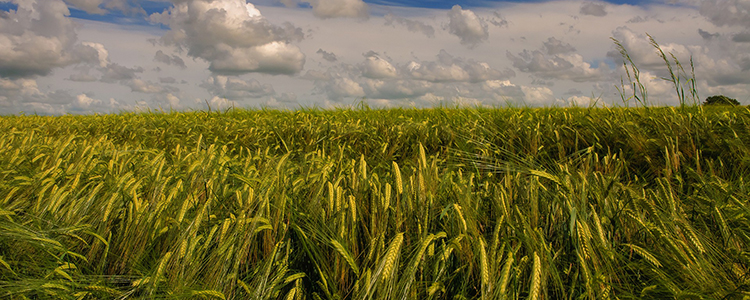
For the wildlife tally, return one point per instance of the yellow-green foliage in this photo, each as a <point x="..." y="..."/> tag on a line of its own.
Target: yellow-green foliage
<point x="442" y="203"/>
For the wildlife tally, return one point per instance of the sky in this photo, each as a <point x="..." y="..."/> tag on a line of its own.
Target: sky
<point x="110" y="56"/>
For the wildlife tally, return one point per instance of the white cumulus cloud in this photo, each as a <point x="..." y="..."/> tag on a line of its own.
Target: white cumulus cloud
<point x="377" y="67"/>
<point x="38" y="37"/>
<point x="467" y="26"/>
<point x="232" y="36"/>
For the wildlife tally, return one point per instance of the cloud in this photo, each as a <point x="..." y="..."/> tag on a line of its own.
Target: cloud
<point x="396" y="89"/>
<point x="498" y="20"/>
<point x="82" y="78"/>
<point x="167" y="80"/>
<point x="101" y="53"/>
<point x="727" y="12"/>
<point x="89" y="6"/>
<point x="15" y="91"/>
<point x="128" y="7"/>
<point x="580" y="101"/>
<point x="385" y="83"/>
<point x="37" y="37"/>
<point x="115" y="72"/>
<point x="316" y="75"/>
<point x="558" y="62"/>
<point x="726" y="69"/>
<point x="235" y="88"/>
<point x="23" y="95"/>
<point x="411" y="25"/>
<point x="84" y="101"/>
<point x="593" y="9"/>
<point x="538" y="95"/>
<point x="469" y="28"/>
<point x="742" y="37"/>
<point x="555" y="46"/>
<point x="377" y="68"/>
<point x="639" y="48"/>
<point x="326" y="9"/>
<point x="341" y="87"/>
<point x="448" y="68"/>
<point x="161" y="57"/>
<point x="639" y="19"/>
<point x="287" y="98"/>
<point x="327" y="55"/>
<point x="707" y="35"/>
<point x="232" y="36"/>
<point x="142" y="86"/>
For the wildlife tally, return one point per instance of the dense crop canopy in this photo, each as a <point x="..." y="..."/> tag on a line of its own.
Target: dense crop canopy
<point x="511" y="203"/>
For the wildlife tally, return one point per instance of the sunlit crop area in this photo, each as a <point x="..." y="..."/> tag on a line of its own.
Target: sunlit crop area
<point x="443" y="203"/>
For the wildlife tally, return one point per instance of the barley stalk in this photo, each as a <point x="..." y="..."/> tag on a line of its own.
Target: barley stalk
<point x="536" y="278"/>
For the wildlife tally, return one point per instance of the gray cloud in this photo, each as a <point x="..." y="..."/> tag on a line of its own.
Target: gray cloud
<point x="23" y="95"/>
<point x="727" y="12"/>
<point x="326" y="9"/>
<point x="411" y="25"/>
<point x="537" y="81"/>
<point x="327" y="55"/>
<point x="235" y="88"/>
<point x="498" y="20"/>
<point x="707" y="35"/>
<point x="167" y="80"/>
<point x="341" y="87"/>
<point x="555" y="46"/>
<point x="115" y="72"/>
<point x="82" y="78"/>
<point x="558" y="66"/>
<point x="593" y="9"/>
<point x="396" y="89"/>
<point x="724" y="70"/>
<point x="127" y="7"/>
<point x="232" y="36"/>
<point x="467" y="26"/>
<point x="37" y="38"/>
<point x="742" y="37"/>
<point x="448" y="68"/>
<point x="639" y="19"/>
<point x="89" y="6"/>
<point x="143" y="86"/>
<point x="161" y="57"/>
<point x="287" y="98"/>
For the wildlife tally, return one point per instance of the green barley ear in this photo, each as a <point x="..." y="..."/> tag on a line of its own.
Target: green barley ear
<point x="536" y="278"/>
<point x="346" y="255"/>
<point x="391" y="256"/>
<point x="484" y="267"/>
<point x="363" y="167"/>
<point x="399" y="182"/>
<point x="505" y="277"/>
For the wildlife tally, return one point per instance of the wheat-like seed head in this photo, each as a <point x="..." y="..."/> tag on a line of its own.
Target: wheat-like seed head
<point x="399" y="183"/>
<point x="391" y="255"/>
<point x="536" y="278"/>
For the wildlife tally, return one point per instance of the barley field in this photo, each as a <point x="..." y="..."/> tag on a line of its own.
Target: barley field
<point x="441" y="203"/>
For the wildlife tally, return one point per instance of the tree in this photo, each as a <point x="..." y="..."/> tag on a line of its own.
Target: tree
<point x="721" y="100"/>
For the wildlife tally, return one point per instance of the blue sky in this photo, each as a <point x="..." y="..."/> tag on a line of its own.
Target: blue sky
<point x="101" y="56"/>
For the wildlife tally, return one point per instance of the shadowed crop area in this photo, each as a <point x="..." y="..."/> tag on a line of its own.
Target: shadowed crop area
<point x="443" y="203"/>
